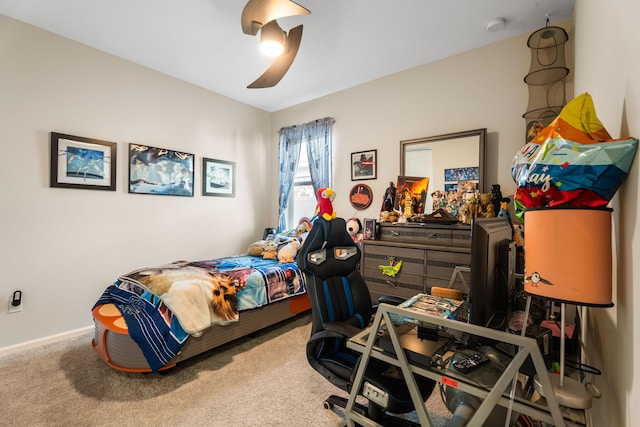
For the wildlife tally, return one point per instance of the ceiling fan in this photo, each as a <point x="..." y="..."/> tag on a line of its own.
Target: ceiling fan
<point x="261" y="15"/>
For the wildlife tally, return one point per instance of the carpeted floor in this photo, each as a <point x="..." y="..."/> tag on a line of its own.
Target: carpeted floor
<point x="260" y="381"/>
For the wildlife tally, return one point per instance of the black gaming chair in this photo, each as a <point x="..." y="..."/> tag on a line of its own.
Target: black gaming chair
<point x="341" y="307"/>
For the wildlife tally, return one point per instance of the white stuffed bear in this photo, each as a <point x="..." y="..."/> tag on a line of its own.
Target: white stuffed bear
<point x="354" y="228"/>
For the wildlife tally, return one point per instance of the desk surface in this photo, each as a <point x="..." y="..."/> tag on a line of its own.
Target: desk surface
<point x="491" y="383"/>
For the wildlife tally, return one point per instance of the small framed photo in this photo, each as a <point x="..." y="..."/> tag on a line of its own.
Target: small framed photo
<point x="83" y="163"/>
<point x="369" y="229"/>
<point x="364" y="165"/>
<point x="218" y="178"/>
<point x="160" y="171"/>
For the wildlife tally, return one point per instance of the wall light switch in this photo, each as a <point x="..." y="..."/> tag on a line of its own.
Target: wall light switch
<point x="15" y="302"/>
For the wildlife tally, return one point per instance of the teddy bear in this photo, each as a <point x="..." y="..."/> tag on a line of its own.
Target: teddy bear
<point x="354" y="228"/>
<point x="288" y="252"/>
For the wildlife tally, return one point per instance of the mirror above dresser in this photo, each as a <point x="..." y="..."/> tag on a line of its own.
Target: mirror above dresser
<point x="450" y="161"/>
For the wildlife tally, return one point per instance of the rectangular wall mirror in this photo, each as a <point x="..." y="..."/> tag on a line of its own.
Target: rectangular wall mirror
<point x="447" y="160"/>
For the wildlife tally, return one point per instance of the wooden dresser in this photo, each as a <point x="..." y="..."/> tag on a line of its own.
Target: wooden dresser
<point x="429" y="254"/>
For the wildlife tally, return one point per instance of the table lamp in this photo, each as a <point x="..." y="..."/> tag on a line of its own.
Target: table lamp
<point x="568" y="260"/>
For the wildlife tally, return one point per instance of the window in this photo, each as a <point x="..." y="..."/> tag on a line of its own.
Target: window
<point x="305" y="165"/>
<point x="302" y="201"/>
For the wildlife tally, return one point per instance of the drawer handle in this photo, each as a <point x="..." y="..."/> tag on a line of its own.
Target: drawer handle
<point x="431" y="235"/>
<point x="395" y="233"/>
<point x="389" y="282"/>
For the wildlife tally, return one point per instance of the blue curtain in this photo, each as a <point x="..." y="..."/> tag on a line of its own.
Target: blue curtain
<point x="290" y="142"/>
<point x="319" y="143"/>
<point x="318" y="135"/>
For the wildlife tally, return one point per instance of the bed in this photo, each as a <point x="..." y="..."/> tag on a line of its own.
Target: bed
<point x="150" y="319"/>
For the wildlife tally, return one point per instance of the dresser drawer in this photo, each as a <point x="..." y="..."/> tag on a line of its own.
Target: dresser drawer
<point x="416" y="234"/>
<point x="402" y="279"/>
<point x="376" y="255"/>
<point x="440" y="264"/>
<point x="461" y="238"/>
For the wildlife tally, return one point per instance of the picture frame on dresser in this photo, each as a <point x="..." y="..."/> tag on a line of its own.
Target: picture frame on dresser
<point x="369" y="227"/>
<point x="82" y="163"/>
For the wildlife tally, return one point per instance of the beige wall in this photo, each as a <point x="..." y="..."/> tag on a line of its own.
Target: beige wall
<point x="607" y="56"/>
<point x="62" y="247"/>
<point x="483" y="88"/>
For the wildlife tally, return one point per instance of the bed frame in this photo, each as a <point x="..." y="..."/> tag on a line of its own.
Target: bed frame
<point x="114" y="345"/>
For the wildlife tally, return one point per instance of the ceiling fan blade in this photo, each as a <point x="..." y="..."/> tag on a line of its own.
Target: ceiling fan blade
<point x="281" y="64"/>
<point x="256" y="13"/>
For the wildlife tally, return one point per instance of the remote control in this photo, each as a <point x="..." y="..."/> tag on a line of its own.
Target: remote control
<point x="470" y="363"/>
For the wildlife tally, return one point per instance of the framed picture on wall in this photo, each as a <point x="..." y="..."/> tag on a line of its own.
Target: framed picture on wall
<point x="83" y="163"/>
<point x="160" y="171"/>
<point x="218" y="178"/>
<point x="364" y="165"/>
<point x="361" y="196"/>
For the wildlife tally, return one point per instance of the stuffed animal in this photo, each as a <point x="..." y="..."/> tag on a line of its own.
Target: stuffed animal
<point x="264" y="248"/>
<point x="392" y="269"/>
<point x="288" y="252"/>
<point x="257" y="248"/>
<point x="270" y="254"/>
<point x="303" y="228"/>
<point x="354" y="228"/>
<point x="391" y="216"/>
<point x="324" y="208"/>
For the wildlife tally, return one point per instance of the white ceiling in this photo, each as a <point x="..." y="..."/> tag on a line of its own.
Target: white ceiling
<point x="345" y="42"/>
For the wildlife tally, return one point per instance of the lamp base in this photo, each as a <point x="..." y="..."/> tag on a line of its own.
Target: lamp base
<point x="573" y="394"/>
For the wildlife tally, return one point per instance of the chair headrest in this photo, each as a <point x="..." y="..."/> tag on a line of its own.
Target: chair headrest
<point x="328" y="250"/>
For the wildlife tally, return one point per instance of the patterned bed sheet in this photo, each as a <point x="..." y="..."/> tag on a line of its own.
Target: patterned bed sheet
<point x="165" y="304"/>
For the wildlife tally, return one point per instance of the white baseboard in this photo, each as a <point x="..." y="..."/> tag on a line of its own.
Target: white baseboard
<point x="28" y="345"/>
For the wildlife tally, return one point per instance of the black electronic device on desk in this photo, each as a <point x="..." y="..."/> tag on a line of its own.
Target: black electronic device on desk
<point x="418" y="350"/>
<point x="471" y="363"/>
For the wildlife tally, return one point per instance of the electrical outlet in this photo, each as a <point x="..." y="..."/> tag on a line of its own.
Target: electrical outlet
<point x="15" y="302"/>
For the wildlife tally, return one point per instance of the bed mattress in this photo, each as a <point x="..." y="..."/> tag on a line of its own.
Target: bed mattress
<point x="152" y="318"/>
<point x="113" y="344"/>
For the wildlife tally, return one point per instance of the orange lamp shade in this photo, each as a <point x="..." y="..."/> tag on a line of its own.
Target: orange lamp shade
<point x="568" y="255"/>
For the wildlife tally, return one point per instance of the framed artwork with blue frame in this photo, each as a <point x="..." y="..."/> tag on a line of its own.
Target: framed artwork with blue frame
<point x="160" y="171"/>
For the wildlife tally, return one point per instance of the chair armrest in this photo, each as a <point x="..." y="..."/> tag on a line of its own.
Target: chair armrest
<point x="342" y="328"/>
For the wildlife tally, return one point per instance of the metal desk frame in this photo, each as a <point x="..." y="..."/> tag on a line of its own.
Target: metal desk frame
<point x="526" y="347"/>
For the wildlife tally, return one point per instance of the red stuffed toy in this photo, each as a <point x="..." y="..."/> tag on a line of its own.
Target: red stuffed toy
<point x="324" y="208"/>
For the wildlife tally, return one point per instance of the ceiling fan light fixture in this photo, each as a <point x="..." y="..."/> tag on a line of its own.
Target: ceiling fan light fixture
<point x="272" y="39"/>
